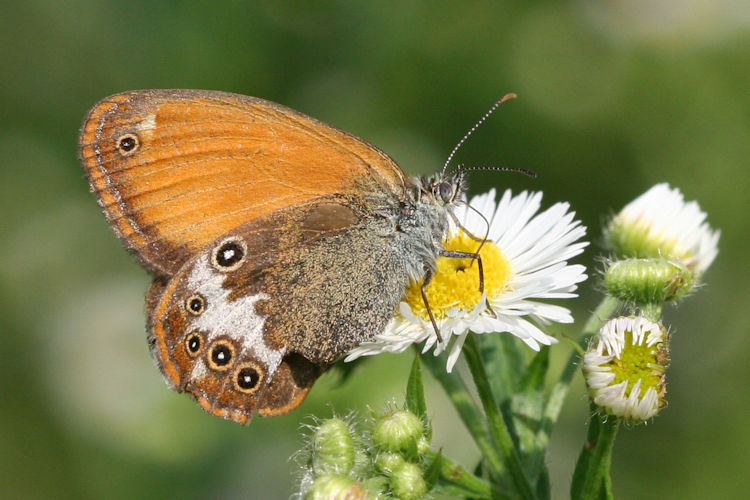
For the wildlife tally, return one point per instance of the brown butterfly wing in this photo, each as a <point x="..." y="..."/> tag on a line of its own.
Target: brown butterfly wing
<point x="176" y="169"/>
<point x="274" y="302"/>
<point x="207" y="331"/>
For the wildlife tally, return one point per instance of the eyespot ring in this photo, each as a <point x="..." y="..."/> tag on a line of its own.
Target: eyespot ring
<point x="193" y="344"/>
<point x="195" y="304"/>
<point x="248" y="377"/>
<point x="128" y="144"/>
<point x="230" y="254"/>
<point x="220" y="355"/>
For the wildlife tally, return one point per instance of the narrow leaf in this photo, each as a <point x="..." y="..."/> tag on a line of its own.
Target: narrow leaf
<point x="498" y="425"/>
<point x="528" y="415"/>
<point x="415" y="401"/>
<point x="591" y="479"/>
<point x="471" y="416"/>
<point x="504" y="358"/>
<point x="433" y="469"/>
<point x="584" y="458"/>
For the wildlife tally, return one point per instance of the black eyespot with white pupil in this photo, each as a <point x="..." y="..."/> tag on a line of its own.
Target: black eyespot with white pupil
<point x="193" y="344"/>
<point x="248" y="378"/>
<point x="230" y="254"/>
<point x="195" y="304"/>
<point x="128" y="144"/>
<point x="221" y="355"/>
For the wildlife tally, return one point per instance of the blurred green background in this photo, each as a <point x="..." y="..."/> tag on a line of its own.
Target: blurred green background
<point x="614" y="96"/>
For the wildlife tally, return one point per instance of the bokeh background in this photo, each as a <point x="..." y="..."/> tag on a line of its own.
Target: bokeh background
<point x="614" y="96"/>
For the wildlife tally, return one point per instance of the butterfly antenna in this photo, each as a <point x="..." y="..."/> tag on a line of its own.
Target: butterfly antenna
<point x="492" y="109"/>
<point x="524" y="171"/>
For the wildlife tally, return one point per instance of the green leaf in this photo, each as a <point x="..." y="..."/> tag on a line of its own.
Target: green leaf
<point x="415" y="401"/>
<point x="470" y="414"/>
<point x="582" y="464"/>
<point x="591" y="479"/>
<point x="543" y="488"/>
<point x="433" y="469"/>
<point x="504" y="358"/>
<point x="528" y="414"/>
<point x="498" y="427"/>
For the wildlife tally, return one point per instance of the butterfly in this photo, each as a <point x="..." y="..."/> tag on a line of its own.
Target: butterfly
<point x="277" y="242"/>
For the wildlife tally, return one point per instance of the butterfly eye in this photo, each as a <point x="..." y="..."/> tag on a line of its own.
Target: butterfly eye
<point x="445" y="191"/>
<point x="221" y="355"/>
<point x="195" y="304"/>
<point x="193" y="344"/>
<point x="248" y="378"/>
<point x="230" y="254"/>
<point x="128" y="144"/>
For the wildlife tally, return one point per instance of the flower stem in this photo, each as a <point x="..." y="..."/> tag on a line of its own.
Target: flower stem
<point x="651" y="311"/>
<point x="497" y="425"/>
<point x="600" y="315"/>
<point x="452" y="473"/>
<point x="595" y="462"/>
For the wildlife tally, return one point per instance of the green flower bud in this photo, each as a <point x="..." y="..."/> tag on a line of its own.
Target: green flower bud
<point x="333" y="450"/>
<point x="399" y="431"/>
<point x="387" y="462"/>
<point x="407" y="482"/>
<point x="337" y="487"/>
<point x="648" y="281"/>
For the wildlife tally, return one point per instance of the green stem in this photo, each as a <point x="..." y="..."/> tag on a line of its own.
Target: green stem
<point x="652" y="311"/>
<point x="600" y="315"/>
<point x="596" y="482"/>
<point x="497" y="425"/>
<point x="452" y="473"/>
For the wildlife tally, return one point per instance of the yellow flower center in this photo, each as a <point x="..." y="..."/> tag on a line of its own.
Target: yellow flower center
<point x="456" y="282"/>
<point x="640" y="362"/>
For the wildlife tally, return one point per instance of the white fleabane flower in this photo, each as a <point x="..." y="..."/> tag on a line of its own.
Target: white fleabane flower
<point x="660" y="223"/>
<point x="524" y="260"/>
<point x="624" y="368"/>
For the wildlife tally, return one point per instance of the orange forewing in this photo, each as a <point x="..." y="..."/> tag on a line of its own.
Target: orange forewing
<point x="207" y="162"/>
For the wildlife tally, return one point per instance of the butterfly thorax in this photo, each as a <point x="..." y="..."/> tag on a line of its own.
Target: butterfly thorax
<point x="425" y="219"/>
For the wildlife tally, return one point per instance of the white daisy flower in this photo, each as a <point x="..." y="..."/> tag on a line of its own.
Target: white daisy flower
<point x="660" y="223"/>
<point x="524" y="259"/>
<point x="624" y="368"/>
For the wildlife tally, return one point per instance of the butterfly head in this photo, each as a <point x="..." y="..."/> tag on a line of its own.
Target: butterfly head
<point x="443" y="189"/>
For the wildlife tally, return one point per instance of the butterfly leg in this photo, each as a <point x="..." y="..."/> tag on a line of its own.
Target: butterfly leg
<point x="425" y="283"/>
